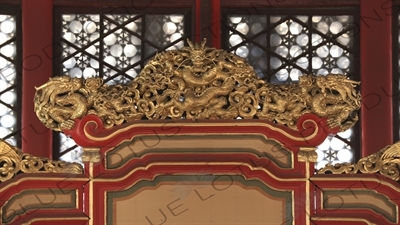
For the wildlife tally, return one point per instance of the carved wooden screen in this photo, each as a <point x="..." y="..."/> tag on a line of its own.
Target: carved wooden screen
<point x="200" y="140"/>
<point x="185" y="186"/>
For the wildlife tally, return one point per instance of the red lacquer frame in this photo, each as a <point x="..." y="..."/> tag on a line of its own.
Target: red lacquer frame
<point x="89" y="133"/>
<point x="352" y="183"/>
<point x="98" y="179"/>
<point x="44" y="182"/>
<point x="312" y="130"/>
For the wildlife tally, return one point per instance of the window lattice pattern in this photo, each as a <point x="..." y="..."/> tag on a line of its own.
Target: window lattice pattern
<point x="282" y="48"/>
<point x="8" y="75"/>
<point x="295" y="44"/>
<point x="114" y="47"/>
<point x="335" y="149"/>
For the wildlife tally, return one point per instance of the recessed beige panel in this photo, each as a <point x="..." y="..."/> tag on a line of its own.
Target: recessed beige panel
<point x="216" y="200"/>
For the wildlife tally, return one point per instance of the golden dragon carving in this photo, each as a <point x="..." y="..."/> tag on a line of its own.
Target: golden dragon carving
<point x="13" y="161"/>
<point x="197" y="82"/>
<point x="386" y="162"/>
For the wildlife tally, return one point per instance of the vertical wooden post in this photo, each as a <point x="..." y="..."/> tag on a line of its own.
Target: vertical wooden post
<point x="37" y="34"/>
<point x="216" y="23"/>
<point x="376" y="75"/>
<point x="198" y="22"/>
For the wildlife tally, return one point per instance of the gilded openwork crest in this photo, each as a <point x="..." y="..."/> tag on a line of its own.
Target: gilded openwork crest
<point x="13" y="161"/>
<point x="197" y="82"/>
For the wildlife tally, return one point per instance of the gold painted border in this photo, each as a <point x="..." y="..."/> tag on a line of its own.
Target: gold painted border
<point x="357" y="179"/>
<point x="91" y="194"/>
<point x="202" y="164"/>
<point x="308" y="195"/>
<point x="16" y="195"/>
<point x="53" y="218"/>
<point x="8" y="186"/>
<point x="203" y="124"/>
<point x="396" y="212"/>
<point x="343" y="219"/>
<point x="196" y="174"/>
<point x="265" y="138"/>
<point x="193" y="173"/>
<point x="243" y="182"/>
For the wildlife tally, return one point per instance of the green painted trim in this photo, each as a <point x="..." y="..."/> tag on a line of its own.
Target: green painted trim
<point x="43" y="205"/>
<point x="285" y="165"/>
<point x="287" y="195"/>
<point x="392" y="217"/>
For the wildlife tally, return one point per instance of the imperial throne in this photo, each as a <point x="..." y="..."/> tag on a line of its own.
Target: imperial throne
<point x="198" y="138"/>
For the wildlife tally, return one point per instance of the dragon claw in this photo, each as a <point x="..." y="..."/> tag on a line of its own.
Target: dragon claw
<point x="333" y="122"/>
<point x="67" y="125"/>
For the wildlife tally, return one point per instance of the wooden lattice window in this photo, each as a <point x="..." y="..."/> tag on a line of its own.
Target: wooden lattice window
<point x="10" y="75"/>
<point x="114" y="46"/>
<point x="283" y="44"/>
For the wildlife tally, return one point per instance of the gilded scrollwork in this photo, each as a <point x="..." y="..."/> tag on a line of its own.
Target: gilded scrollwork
<point x="386" y="162"/>
<point x="307" y="154"/>
<point x="13" y="161"/>
<point x="197" y="82"/>
<point x="91" y="155"/>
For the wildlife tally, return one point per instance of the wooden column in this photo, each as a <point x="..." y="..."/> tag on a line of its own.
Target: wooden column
<point x="376" y="75"/>
<point x="197" y="22"/>
<point x="37" y="34"/>
<point x="208" y="22"/>
<point x="216" y="23"/>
